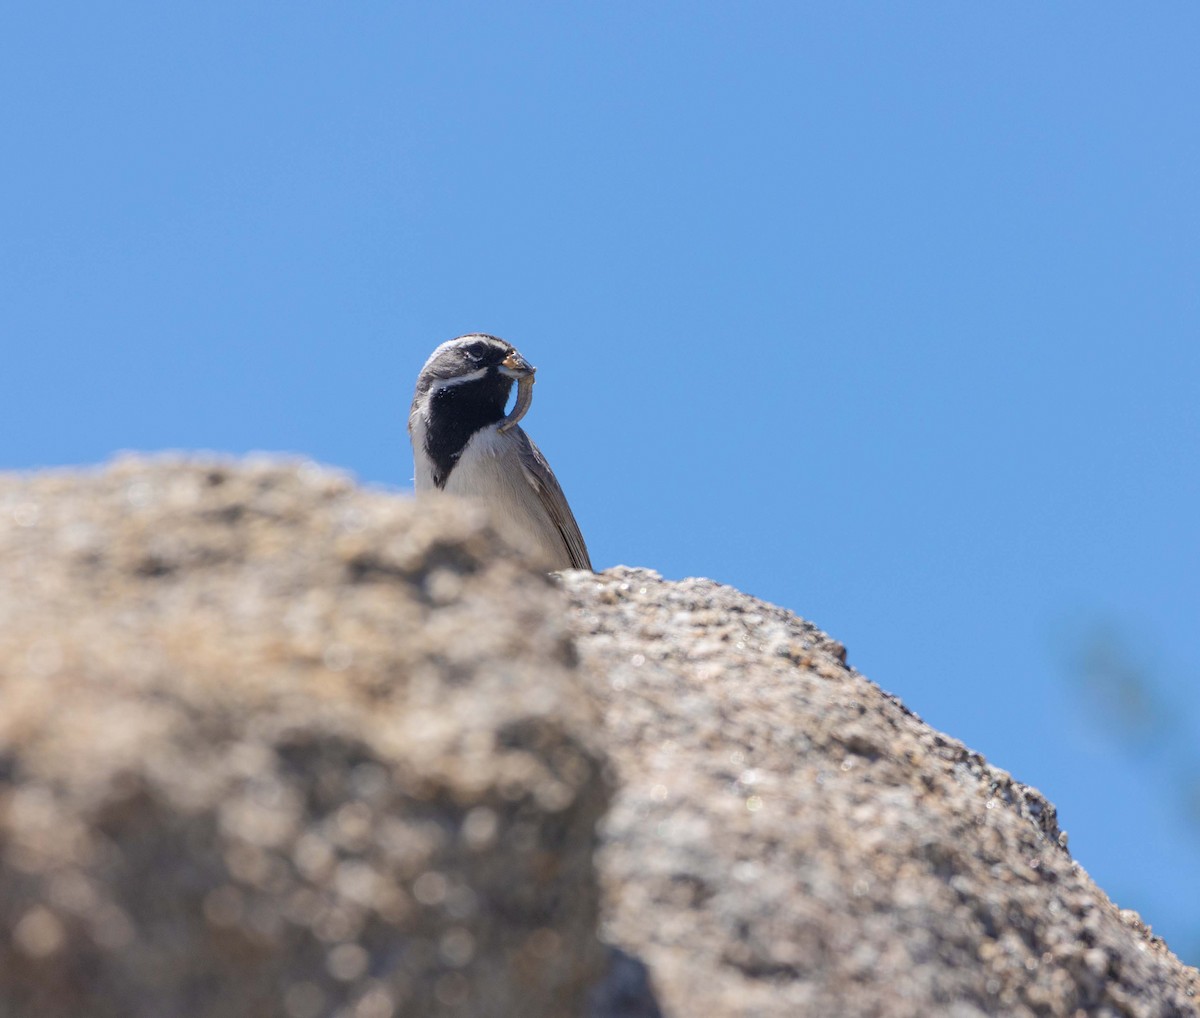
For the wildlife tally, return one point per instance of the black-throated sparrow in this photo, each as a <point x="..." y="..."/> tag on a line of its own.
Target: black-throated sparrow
<point x="463" y="443"/>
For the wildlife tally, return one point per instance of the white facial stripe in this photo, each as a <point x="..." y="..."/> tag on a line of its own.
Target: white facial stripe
<point x="446" y="383"/>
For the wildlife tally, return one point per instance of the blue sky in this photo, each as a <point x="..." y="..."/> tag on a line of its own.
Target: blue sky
<point x="886" y="313"/>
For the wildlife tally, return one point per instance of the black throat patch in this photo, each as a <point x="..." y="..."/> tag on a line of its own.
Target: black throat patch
<point x="456" y="412"/>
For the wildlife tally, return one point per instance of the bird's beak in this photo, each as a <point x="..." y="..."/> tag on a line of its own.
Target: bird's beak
<point x="516" y="366"/>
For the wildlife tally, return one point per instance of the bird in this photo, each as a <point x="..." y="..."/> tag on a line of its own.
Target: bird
<point x="464" y="444"/>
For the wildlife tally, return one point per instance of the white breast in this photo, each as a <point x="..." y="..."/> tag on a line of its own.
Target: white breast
<point x="422" y="467"/>
<point x="490" y="470"/>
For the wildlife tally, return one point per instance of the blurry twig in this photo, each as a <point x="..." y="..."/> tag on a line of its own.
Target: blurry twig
<point x="1121" y="688"/>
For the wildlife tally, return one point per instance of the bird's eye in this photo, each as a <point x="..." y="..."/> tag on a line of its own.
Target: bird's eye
<point x="477" y="353"/>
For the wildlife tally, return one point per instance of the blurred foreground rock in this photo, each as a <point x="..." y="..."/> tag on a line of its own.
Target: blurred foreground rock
<point x="271" y="745"/>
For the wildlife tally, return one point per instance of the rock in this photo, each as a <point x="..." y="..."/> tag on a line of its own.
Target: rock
<point x="270" y="745"/>
<point x="789" y="840"/>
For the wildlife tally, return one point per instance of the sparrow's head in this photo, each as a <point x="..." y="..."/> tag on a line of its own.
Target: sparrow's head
<point x="486" y="363"/>
<point x="465" y="385"/>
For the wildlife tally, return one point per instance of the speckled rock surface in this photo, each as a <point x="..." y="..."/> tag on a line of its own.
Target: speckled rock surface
<point x="270" y="745"/>
<point x="273" y="745"/>
<point x="789" y="840"/>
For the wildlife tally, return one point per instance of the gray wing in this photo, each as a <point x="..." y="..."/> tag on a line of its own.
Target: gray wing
<point x="550" y="493"/>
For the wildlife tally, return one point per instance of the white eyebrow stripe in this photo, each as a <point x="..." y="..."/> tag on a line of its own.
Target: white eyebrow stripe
<point x="446" y="383"/>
